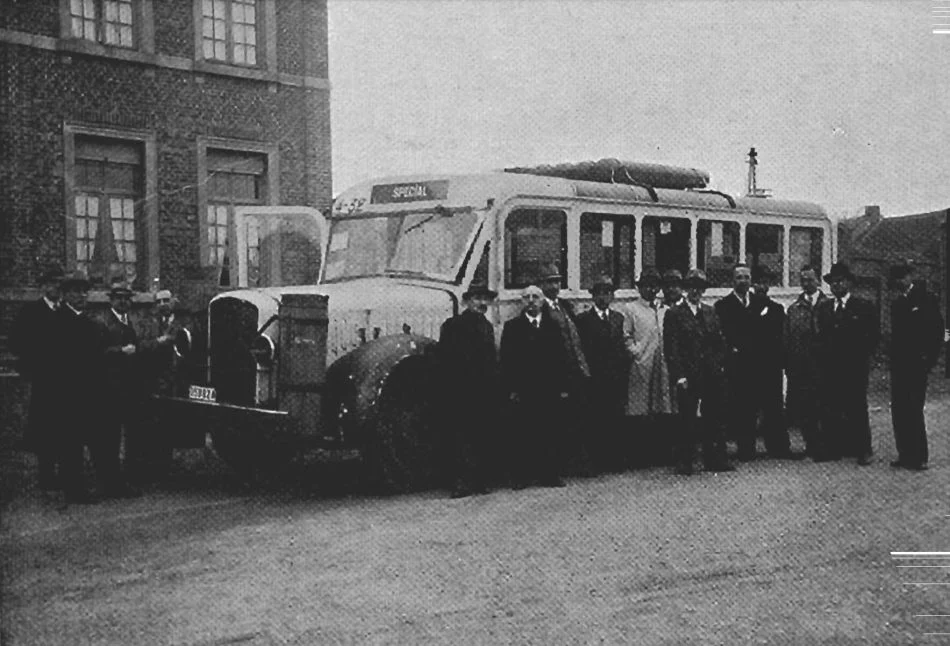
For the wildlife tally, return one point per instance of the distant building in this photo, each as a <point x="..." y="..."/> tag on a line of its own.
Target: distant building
<point x="131" y="129"/>
<point x="870" y="244"/>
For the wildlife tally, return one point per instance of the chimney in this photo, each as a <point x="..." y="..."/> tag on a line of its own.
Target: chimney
<point x="872" y="211"/>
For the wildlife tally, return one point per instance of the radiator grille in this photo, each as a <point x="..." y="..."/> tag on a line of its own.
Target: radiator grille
<point x="233" y="370"/>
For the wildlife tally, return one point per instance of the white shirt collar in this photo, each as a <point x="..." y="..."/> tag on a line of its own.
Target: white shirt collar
<point x="601" y="313"/>
<point x="78" y="312"/>
<point x="744" y="301"/>
<point x="124" y="318"/>
<point x="532" y="319"/>
<point x="693" y="308"/>
<point x="50" y="304"/>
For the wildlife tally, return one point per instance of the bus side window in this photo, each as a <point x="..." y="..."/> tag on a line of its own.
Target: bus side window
<point x="608" y="245"/>
<point x="718" y="246"/>
<point x="534" y="238"/>
<point x="666" y="243"/>
<point x="805" y="244"/>
<point x="764" y="244"/>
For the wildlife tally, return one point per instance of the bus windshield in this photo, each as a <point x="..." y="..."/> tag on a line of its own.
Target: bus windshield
<point x="426" y="244"/>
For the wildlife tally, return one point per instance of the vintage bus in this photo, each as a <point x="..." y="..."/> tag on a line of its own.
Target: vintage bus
<point x="347" y="363"/>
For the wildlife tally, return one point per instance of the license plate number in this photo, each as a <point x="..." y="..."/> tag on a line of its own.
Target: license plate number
<point x="202" y="393"/>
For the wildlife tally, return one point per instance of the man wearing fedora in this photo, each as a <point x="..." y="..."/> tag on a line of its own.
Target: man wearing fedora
<point x="649" y="400"/>
<point x="601" y="332"/>
<point x="80" y="372"/>
<point x="124" y="384"/>
<point x="801" y="359"/>
<point x="32" y="341"/>
<point x="537" y="376"/>
<point x="469" y="370"/>
<point x="848" y="333"/>
<point x="916" y="339"/>
<point x="695" y="352"/>
<point x="673" y="287"/>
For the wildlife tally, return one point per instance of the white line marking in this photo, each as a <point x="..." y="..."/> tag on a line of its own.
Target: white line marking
<point x="926" y="584"/>
<point x="921" y="554"/>
<point x="923" y="566"/>
<point x="932" y="615"/>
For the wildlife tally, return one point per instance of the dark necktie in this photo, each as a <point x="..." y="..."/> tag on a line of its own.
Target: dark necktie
<point x="536" y="323"/>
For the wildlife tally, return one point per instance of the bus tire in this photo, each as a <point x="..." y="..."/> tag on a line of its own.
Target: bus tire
<point x="399" y="454"/>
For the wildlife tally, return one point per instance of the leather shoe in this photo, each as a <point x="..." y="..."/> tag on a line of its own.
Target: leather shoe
<point x="461" y="493"/>
<point x="898" y="464"/>
<point x="554" y="482"/>
<point x="865" y="459"/>
<point x="720" y="467"/>
<point x="79" y="498"/>
<point x="788" y="455"/>
<point x="684" y="469"/>
<point x="918" y="467"/>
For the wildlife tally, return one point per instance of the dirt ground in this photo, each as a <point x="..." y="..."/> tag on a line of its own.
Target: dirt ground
<point x="776" y="553"/>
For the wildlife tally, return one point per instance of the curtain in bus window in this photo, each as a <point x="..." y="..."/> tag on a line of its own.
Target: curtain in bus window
<point x="666" y="243"/>
<point x="533" y="239"/>
<point x="764" y="246"/>
<point x="608" y="245"/>
<point x="805" y="247"/>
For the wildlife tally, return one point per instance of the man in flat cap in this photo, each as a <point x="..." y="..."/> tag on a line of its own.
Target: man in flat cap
<point x="469" y="371"/>
<point x="537" y="376"/>
<point x="673" y="287"/>
<point x="601" y="332"/>
<point x="801" y="359"/>
<point x="32" y="340"/>
<point x="695" y="352"/>
<point x="649" y="398"/>
<point x="848" y="333"/>
<point x="916" y="338"/>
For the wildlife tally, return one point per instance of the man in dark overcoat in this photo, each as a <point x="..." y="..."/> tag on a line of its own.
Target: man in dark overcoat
<point x="537" y="377"/>
<point x="80" y="348"/>
<point x="602" y="339"/>
<point x="738" y="320"/>
<point x="803" y="401"/>
<point x="768" y="359"/>
<point x="916" y="339"/>
<point x="695" y="351"/>
<point x="32" y="341"/>
<point x="848" y="333"/>
<point x="124" y="385"/>
<point x="470" y="382"/>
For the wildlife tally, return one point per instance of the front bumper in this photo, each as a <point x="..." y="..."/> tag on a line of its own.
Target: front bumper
<point x="188" y="421"/>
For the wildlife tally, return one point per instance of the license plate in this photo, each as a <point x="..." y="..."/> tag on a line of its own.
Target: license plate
<point x="202" y="393"/>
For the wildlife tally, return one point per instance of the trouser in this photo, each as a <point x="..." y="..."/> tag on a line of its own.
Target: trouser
<point x="71" y="459"/>
<point x="741" y="391"/>
<point x="601" y="429"/>
<point x="908" y="393"/>
<point x="706" y="429"/>
<point x="148" y="450"/>
<point x="846" y="425"/>
<point x="42" y="433"/>
<point x="537" y="429"/>
<point x="768" y="400"/>
<point x="469" y="451"/>
<point x="804" y="406"/>
<point x="105" y="445"/>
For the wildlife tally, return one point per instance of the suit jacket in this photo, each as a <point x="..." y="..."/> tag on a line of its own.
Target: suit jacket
<point x="80" y="346"/>
<point x="571" y="340"/>
<point x="604" y="350"/>
<point x="916" y="331"/>
<point x="768" y="328"/>
<point x="534" y="363"/>
<point x="123" y="372"/>
<point x="468" y="359"/>
<point x="847" y="339"/>
<point x="738" y="322"/>
<point x="694" y="349"/>
<point x="568" y="308"/>
<point x="31" y="339"/>
<point x="801" y="338"/>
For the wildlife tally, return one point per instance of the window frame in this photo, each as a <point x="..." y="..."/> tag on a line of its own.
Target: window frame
<point x="142" y="29"/>
<point x="266" y="33"/>
<point x="692" y="224"/>
<point x="625" y="217"/>
<point x="271" y="186"/>
<point x="567" y="255"/>
<point x="147" y="214"/>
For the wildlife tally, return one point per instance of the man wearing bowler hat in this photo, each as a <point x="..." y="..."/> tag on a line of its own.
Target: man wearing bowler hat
<point x="848" y="333"/>
<point x="673" y="287"/>
<point x="916" y="338"/>
<point x="601" y="332"/>
<point x="469" y="369"/>
<point x="32" y="339"/>
<point x="695" y="352"/>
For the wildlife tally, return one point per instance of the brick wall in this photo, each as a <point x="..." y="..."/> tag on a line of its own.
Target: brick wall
<point x="45" y="87"/>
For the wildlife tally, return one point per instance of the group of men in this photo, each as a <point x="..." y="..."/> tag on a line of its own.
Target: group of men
<point x="91" y="377"/>
<point x="676" y="372"/>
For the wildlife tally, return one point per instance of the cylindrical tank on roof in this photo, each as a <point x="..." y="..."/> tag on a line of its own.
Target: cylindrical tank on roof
<point x="615" y="171"/>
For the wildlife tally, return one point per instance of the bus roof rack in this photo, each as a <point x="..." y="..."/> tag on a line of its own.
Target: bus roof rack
<point x="615" y="171"/>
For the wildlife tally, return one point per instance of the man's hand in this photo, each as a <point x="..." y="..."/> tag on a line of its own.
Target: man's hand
<point x="682" y="383"/>
<point x="514" y="398"/>
<point x="128" y="349"/>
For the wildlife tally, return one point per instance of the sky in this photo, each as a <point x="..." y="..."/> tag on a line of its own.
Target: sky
<point x="847" y="103"/>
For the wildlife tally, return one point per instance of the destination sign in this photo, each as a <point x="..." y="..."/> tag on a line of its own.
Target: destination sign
<point x="409" y="192"/>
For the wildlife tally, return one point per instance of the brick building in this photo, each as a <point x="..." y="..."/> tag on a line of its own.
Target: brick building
<point x="871" y="244"/>
<point x="132" y="128"/>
